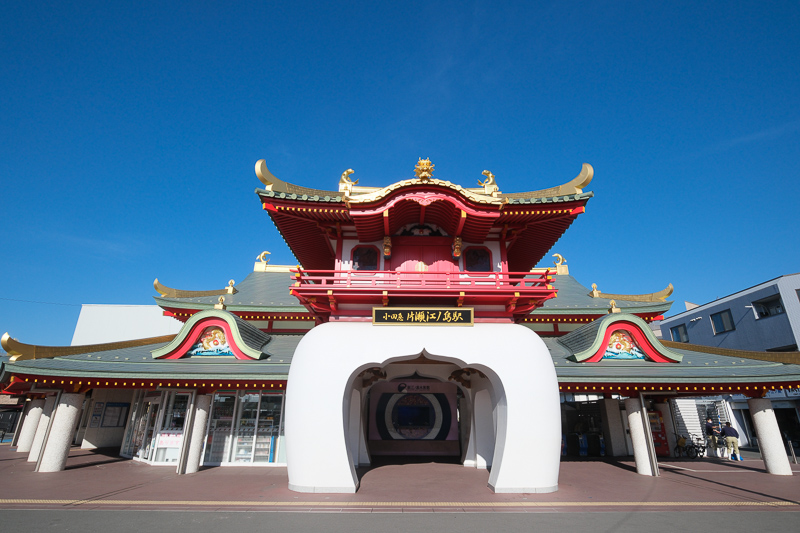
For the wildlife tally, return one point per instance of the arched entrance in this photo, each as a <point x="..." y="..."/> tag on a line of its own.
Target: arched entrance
<point x="325" y="439"/>
<point x="414" y="409"/>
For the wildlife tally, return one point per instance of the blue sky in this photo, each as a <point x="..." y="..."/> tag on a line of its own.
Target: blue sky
<point x="130" y="130"/>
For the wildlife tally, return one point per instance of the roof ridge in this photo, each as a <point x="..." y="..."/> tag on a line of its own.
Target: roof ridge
<point x="20" y="351"/>
<point x="792" y="358"/>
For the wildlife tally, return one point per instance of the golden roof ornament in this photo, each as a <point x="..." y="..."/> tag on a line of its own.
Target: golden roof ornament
<point x="489" y="184"/>
<point x="424" y="169"/>
<point x="561" y="265"/>
<point x="595" y="293"/>
<point x="221" y="304"/>
<point x="345" y="183"/>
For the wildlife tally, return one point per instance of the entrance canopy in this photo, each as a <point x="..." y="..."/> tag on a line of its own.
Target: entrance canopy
<point x="324" y="391"/>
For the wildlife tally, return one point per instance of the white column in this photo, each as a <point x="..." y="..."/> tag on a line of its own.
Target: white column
<point x="41" y="429"/>
<point x="769" y="437"/>
<point x="669" y="426"/>
<point x="29" y="425"/>
<point x="202" y="408"/>
<point x="20" y="420"/>
<point x="66" y="418"/>
<point x="613" y="430"/>
<point x="638" y="436"/>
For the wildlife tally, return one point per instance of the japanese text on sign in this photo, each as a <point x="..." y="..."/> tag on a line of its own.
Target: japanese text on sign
<point x="462" y="316"/>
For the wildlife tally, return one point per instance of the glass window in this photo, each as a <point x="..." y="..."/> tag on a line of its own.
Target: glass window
<point x="218" y="443"/>
<point x="722" y="321"/>
<point x="477" y="260"/>
<point x="769" y="306"/>
<point x="175" y="415"/>
<point x="365" y="258"/>
<point x="679" y="333"/>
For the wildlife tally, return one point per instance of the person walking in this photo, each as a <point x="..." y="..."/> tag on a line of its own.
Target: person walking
<point x="711" y="436"/>
<point x="731" y="437"/>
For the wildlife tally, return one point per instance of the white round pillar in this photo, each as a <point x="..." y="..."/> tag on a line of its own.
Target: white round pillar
<point x="769" y="437"/>
<point x="29" y="425"/>
<point x="202" y="408"/>
<point x="638" y="436"/>
<point x="41" y="429"/>
<point x="62" y="430"/>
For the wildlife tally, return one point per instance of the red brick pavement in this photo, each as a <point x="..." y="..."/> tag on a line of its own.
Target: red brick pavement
<point x="95" y="480"/>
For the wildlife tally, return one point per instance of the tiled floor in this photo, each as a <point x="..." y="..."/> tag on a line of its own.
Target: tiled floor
<point x="103" y="481"/>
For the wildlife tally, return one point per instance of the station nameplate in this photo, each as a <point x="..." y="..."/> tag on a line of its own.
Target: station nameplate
<point x="423" y="316"/>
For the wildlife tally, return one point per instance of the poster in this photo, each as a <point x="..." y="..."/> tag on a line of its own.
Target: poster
<point x="96" y="414"/>
<point x="115" y="415"/>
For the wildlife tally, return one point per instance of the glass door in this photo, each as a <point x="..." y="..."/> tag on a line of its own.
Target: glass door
<point x="130" y="428"/>
<point x="143" y="442"/>
<point x="269" y="422"/>
<point x="220" y="425"/>
<point x="170" y="435"/>
<point x="245" y="428"/>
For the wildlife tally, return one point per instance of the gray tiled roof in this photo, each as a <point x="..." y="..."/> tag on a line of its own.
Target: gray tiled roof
<point x="521" y="198"/>
<point x="138" y="363"/>
<point x="263" y="290"/>
<point x="303" y="193"/>
<point x="572" y="297"/>
<point x="517" y="198"/>
<point x="696" y="367"/>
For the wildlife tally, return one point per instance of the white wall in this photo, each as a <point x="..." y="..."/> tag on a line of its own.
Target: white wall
<point x="99" y="324"/>
<point x="106" y="437"/>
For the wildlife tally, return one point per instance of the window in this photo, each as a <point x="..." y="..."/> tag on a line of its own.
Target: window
<point x="365" y="258"/>
<point x="722" y="321"/>
<point x="769" y="306"/>
<point x="679" y="333"/>
<point x="477" y="260"/>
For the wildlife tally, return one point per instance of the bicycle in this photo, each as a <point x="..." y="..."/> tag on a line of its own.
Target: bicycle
<point x="693" y="447"/>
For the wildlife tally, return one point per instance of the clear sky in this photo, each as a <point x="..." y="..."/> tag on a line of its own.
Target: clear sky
<point x="129" y="134"/>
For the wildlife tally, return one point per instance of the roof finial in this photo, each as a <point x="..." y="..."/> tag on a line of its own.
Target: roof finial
<point x="489" y="184"/>
<point x="221" y="304"/>
<point x="261" y="262"/>
<point x="561" y="265"/>
<point x="424" y="169"/>
<point x="595" y="293"/>
<point x="345" y="183"/>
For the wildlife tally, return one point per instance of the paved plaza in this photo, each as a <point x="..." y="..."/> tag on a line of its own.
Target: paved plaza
<point x="100" y="480"/>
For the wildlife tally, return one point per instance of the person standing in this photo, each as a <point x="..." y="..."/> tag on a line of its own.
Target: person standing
<point x="711" y="437"/>
<point x="731" y="437"/>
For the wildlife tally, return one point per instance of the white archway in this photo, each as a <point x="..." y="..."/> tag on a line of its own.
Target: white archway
<point x="515" y="360"/>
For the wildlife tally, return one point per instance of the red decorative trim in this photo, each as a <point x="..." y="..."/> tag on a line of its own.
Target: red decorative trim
<point x="638" y="336"/>
<point x="155" y="382"/>
<point x="194" y="335"/>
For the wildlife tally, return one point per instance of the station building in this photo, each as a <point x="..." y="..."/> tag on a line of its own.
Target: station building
<point x="416" y="324"/>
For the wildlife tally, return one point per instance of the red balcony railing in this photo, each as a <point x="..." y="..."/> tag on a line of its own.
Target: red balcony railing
<point x="322" y="291"/>
<point x="390" y="279"/>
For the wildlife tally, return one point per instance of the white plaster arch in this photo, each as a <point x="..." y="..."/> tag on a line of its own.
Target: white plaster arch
<point x="515" y="360"/>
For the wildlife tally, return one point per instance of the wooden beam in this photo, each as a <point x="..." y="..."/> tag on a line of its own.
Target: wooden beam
<point x="461" y="221"/>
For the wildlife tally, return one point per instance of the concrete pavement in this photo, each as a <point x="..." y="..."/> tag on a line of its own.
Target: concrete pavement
<point x="101" y="480"/>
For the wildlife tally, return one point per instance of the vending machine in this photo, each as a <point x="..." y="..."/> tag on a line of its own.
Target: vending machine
<point x="659" y="433"/>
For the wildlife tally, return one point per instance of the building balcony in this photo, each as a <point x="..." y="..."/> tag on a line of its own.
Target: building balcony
<point x="349" y="294"/>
